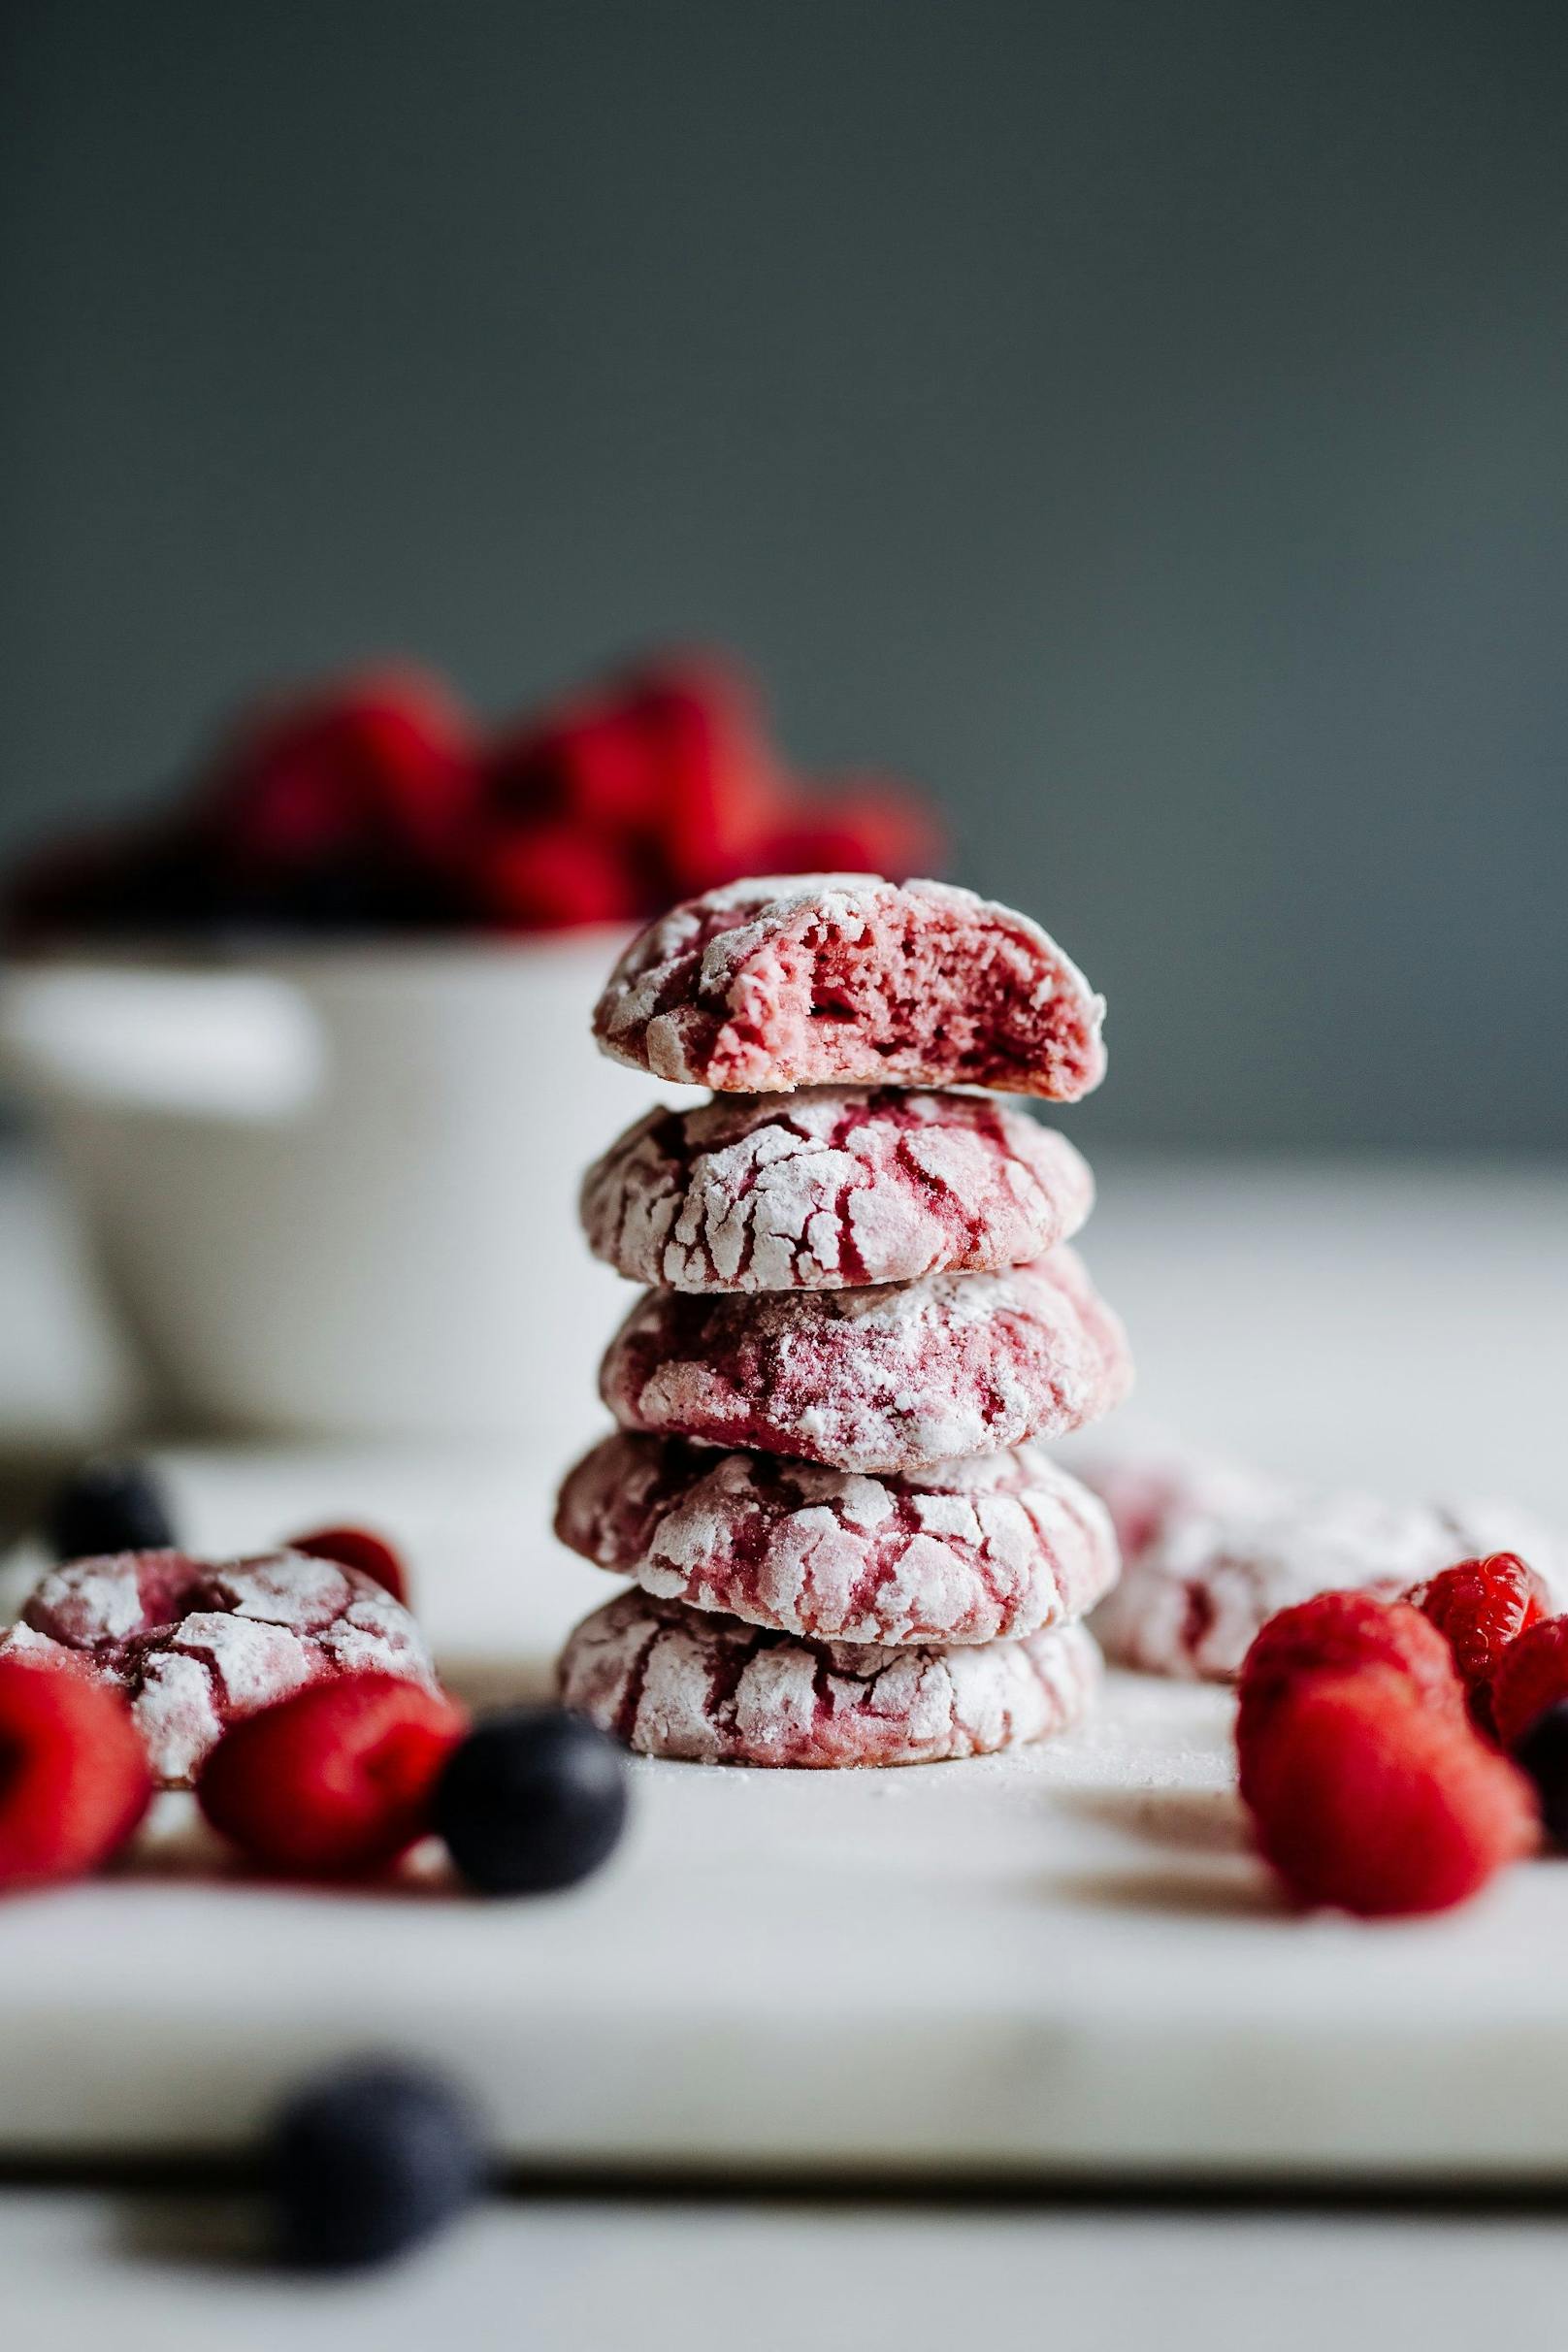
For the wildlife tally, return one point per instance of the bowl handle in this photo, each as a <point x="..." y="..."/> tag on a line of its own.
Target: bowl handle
<point x="240" y="1047"/>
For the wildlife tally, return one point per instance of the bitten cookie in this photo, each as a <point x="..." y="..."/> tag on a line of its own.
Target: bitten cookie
<point x="1213" y="1550"/>
<point x="977" y="1550"/>
<point x="196" y="1643"/>
<point x="671" y="1681"/>
<point x="829" y="1187"/>
<point x="899" y="1378"/>
<point x="796" y="980"/>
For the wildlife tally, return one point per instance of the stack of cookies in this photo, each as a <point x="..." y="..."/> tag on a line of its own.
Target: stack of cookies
<point x="845" y="1546"/>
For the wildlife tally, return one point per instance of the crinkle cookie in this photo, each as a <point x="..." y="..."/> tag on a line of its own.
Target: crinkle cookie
<point x="899" y="1377"/>
<point x="1212" y="1550"/>
<point x="195" y="1644"/>
<point x="671" y="1681"/>
<point x="796" y="980"/>
<point x="829" y="1187"/>
<point x="977" y="1550"/>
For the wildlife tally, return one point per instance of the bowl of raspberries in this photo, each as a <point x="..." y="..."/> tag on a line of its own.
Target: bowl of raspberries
<point x="310" y="1038"/>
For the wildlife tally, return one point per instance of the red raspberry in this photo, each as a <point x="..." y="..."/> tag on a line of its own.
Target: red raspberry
<point x="333" y="1781"/>
<point x="1531" y="1677"/>
<point x="663" y="780"/>
<point x="721" y="781"/>
<point x="588" y="764"/>
<point x="357" y="1547"/>
<point x="1480" y="1607"/>
<point x="598" y="769"/>
<point x="1367" y="1800"/>
<point x="350" y="788"/>
<point x="871" y="828"/>
<point x="337" y="805"/>
<point x="1336" y="1631"/>
<point x="549" y="874"/>
<point x="73" y="1774"/>
<point x="657" y="786"/>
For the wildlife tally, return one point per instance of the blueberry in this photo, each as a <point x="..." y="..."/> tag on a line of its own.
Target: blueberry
<point x="1543" y="1753"/>
<point x="532" y="1799"/>
<point x="108" y="1505"/>
<point x="369" y="2160"/>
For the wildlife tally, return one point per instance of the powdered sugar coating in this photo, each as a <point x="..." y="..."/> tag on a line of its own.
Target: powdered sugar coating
<point x="1213" y="1550"/>
<point x="899" y="1377"/>
<point x="783" y="981"/>
<point x="671" y="1681"/>
<point x="197" y="1643"/>
<point x="977" y="1550"/>
<point x="832" y="1186"/>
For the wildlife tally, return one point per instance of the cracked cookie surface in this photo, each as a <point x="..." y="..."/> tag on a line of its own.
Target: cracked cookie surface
<point x="667" y="1681"/>
<point x="196" y="1643"/>
<point x="1214" y="1548"/>
<point x="831" y="1187"/>
<point x="783" y="981"/>
<point x="979" y="1550"/>
<point x="898" y="1376"/>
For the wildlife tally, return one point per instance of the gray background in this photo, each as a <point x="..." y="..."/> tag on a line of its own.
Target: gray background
<point x="1145" y="424"/>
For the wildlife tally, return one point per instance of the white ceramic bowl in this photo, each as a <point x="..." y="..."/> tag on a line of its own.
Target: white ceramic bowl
<point x="334" y="1187"/>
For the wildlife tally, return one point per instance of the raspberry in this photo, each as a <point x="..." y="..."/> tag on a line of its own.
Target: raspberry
<point x="1480" y="1607"/>
<point x="1542" y="1755"/>
<point x="357" y="1547"/>
<point x="333" y="1781"/>
<point x="1531" y="1677"/>
<point x="1366" y="1800"/>
<point x="655" y="785"/>
<point x="547" y="874"/>
<point x="1337" y="1631"/>
<point x="73" y="1774"/>
<point x="358" y="764"/>
<point x="868" y="828"/>
<point x="587" y="764"/>
<point x="721" y="782"/>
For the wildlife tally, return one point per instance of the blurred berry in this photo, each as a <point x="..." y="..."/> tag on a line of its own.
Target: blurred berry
<point x="1543" y="1755"/>
<point x="533" y="1799"/>
<point x="549" y="874"/>
<point x="333" y="1781"/>
<point x="369" y="2160"/>
<point x="74" y="1776"/>
<point x="865" y="828"/>
<point x="357" y="1547"/>
<point x="357" y="773"/>
<point x="108" y="1505"/>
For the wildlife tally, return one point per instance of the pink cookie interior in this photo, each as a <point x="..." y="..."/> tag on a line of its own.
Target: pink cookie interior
<point x="815" y="980"/>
